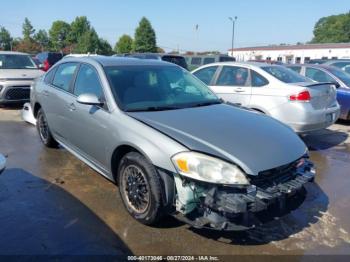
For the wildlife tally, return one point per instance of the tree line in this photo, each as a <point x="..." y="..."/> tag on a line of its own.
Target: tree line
<point x="77" y="37"/>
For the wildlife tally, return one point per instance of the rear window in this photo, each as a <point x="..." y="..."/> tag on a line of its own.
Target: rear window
<point x="54" y="57"/>
<point x="178" y="60"/>
<point x="226" y="59"/>
<point x="284" y="74"/>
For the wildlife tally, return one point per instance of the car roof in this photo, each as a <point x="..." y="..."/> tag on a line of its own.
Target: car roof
<point x="322" y="66"/>
<point x="118" y="61"/>
<point x="246" y="64"/>
<point x="12" y="53"/>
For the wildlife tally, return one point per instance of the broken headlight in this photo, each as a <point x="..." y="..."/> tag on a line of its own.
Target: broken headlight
<point x="208" y="169"/>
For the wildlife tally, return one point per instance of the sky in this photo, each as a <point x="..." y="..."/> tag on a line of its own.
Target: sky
<point x="259" y="22"/>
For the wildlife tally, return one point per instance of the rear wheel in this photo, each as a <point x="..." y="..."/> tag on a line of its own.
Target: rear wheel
<point x="140" y="188"/>
<point x="44" y="130"/>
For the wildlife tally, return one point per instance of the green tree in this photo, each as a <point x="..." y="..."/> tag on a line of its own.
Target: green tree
<point x="88" y="42"/>
<point x="104" y="48"/>
<point x="27" y="30"/>
<point x="124" y="45"/>
<point x="5" y="39"/>
<point x="145" y="37"/>
<point x="332" y="29"/>
<point x="77" y="28"/>
<point x="58" y="33"/>
<point x="42" y="38"/>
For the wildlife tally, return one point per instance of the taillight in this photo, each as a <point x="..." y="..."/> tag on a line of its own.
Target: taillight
<point x="303" y="96"/>
<point x="46" y="65"/>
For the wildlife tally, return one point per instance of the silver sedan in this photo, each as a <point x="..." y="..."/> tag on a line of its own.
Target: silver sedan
<point x="275" y="91"/>
<point x="169" y="142"/>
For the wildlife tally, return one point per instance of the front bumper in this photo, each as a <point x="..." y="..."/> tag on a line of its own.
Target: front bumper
<point x="230" y="208"/>
<point x="15" y="91"/>
<point x="27" y="114"/>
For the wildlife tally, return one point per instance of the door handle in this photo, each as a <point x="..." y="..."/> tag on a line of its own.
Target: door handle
<point x="72" y="107"/>
<point x="238" y="90"/>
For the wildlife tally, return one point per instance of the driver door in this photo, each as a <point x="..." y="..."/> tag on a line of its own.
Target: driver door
<point x="89" y="128"/>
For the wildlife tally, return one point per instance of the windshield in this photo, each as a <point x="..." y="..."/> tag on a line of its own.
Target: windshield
<point x="344" y="77"/>
<point x="284" y="74"/>
<point x="152" y="88"/>
<point x="10" y="61"/>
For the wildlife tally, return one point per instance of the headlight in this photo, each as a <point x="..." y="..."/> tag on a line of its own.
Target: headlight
<point x="209" y="169"/>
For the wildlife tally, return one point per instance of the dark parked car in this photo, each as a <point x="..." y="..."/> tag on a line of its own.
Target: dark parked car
<point x="343" y="64"/>
<point x="326" y="73"/>
<point x="175" y="59"/>
<point x="48" y="59"/>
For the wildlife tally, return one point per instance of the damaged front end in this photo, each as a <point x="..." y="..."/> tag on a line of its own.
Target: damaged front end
<point x="272" y="193"/>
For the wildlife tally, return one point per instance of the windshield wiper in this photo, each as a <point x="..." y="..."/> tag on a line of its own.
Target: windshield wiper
<point x="207" y="103"/>
<point x="153" y="108"/>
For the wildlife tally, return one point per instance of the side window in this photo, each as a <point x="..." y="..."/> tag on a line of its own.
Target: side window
<point x="64" y="75"/>
<point x="49" y="76"/>
<point x="295" y="68"/>
<point x="258" y="80"/>
<point x="196" y="60"/>
<point x="206" y="74"/>
<point x="88" y="82"/>
<point x="233" y="76"/>
<point x="318" y="75"/>
<point x="208" y="60"/>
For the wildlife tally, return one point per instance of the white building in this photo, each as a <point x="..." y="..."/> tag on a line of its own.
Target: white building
<point x="292" y="53"/>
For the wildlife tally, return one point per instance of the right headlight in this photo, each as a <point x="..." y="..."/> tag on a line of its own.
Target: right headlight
<point x="208" y="169"/>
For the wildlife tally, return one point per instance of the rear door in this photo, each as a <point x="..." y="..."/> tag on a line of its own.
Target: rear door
<point x="232" y="84"/>
<point x="58" y="98"/>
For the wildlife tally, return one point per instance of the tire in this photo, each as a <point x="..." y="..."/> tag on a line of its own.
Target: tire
<point x="45" y="135"/>
<point x="135" y="173"/>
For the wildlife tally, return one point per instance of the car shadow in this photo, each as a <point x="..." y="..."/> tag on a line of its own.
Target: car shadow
<point x="308" y="213"/>
<point x="12" y="106"/>
<point x="40" y="218"/>
<point x="324" y="139"/>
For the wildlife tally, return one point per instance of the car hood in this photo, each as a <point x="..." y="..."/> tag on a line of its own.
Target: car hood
<point x="253" y="141"/>
<point x="20" y="74"/>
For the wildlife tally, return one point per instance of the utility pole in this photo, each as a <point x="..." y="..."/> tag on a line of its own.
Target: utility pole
<point x="233" y="20"/>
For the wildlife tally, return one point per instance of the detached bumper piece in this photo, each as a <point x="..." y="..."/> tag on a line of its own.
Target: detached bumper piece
<point x="271" y="194"/>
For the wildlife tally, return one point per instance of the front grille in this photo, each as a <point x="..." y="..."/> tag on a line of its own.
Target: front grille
<point x="275" y="176"/>
<point x="18" y="93"/>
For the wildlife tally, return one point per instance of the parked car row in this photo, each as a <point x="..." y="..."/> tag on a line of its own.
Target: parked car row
<point x="170" y="143"/>
<point x="330" y="74"/>
<point x="276" y="91"/>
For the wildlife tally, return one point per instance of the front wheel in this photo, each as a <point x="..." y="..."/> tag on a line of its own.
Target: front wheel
<point x="140" y="188"/>
<point x="44" y="130"/>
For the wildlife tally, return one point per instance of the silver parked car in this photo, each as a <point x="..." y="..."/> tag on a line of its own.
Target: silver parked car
<point x="17" y="73"/>
<point x="275" y="91"/>
<point x="169" y="142"/>
<point x="2" y="163"/>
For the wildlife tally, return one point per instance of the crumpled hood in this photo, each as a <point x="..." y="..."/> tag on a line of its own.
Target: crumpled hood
<point x="253" y="141"/>
<point x="19" y="74"/>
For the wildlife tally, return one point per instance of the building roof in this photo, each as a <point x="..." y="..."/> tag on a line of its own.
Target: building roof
<point x="293" y="47"/>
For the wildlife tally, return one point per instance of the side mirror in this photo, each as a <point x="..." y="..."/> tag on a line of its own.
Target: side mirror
<point x="89" y="99"/>
<point x="2" y="163"/>
<point x="336" y="84"/>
